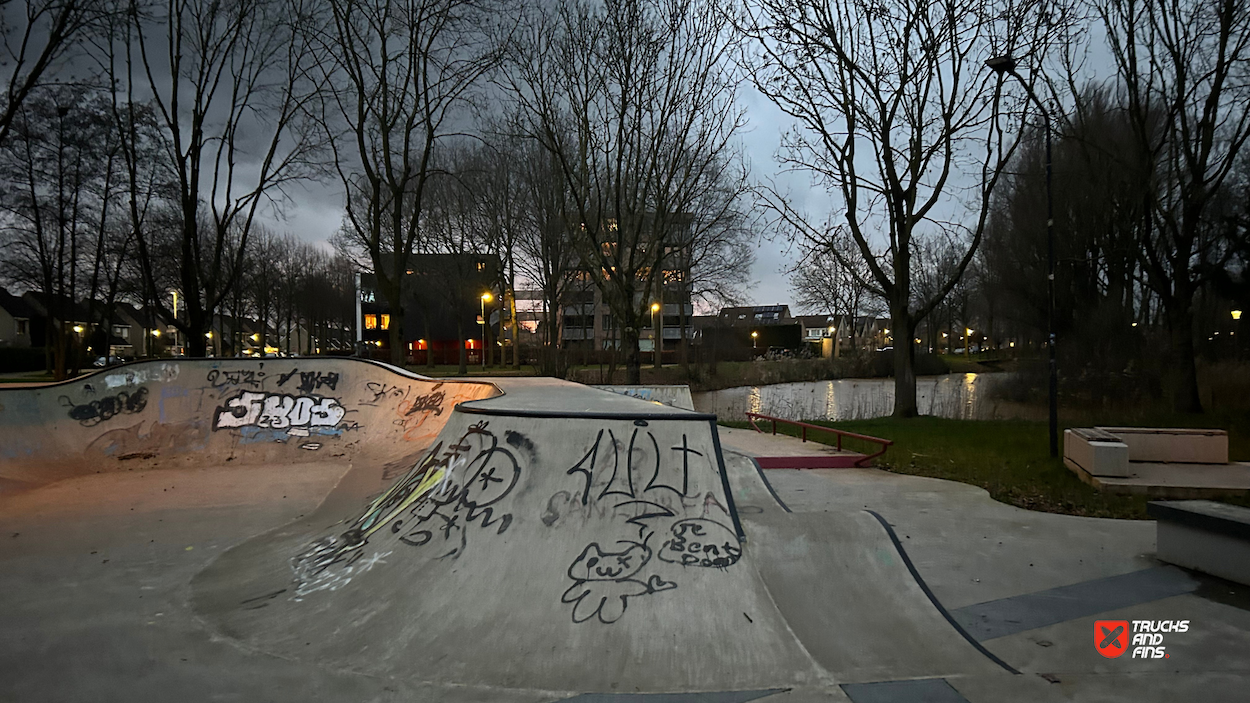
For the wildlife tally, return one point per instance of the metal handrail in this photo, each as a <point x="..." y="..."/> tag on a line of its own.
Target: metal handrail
<point x="804" y="426"/>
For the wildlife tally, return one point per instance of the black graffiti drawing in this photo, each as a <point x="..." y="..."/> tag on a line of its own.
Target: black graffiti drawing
<point x="448" y="491"/>
<point x="648" y="489"/>
<point x="310" y="381"/>
<point x="220" y="378"/>
<point x="471" y="496"/>
<point x="603" y="582"/>
<point x="701" y="542"/>
<point x="383" y="391"/>
<point x="96" y="411"/>
<point x="430" y="403"/>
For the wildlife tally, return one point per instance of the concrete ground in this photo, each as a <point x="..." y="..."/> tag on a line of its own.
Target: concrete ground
<point x="756" y="444"/>
<point x="853" y="585"/>
<point x="1028" y="587"/>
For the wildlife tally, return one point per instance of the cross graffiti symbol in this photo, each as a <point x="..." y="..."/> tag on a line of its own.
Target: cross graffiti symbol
<point x="1110" y="637"/>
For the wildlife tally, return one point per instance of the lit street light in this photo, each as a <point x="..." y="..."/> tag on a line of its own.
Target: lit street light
<point x="1007" y="65"/>
<point x="486" y="298"/>
<point x="754" y="338"/>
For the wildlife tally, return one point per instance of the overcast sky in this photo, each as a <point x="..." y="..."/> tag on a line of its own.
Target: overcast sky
<point x="317" y="209"/>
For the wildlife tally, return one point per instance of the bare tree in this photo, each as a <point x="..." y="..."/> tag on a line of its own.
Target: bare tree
<point x="1184" y="69"/>
<point x="229" y="87"/>
<point x="38" y="34"/>
<point x="635" y="102"/>
<point x="400" y="77"/>
<point x="546" y="254"/>
<point x="893" y="108"/>
<point x="838" y="284"/>
<point x="58" y="174"/>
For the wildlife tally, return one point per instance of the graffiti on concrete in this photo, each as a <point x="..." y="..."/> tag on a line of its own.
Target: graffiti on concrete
<point x="163" y="373"/>
<point x="294" y="415"/>
<point x="450" y="490"/>
<point x="94" y="412"/>
<point x="649" y="491"/>
<point x="311" y="381"/>
<point x="153" y="439"/>
<point x="333" y="579"/>
<point x="429" y="403"/>
<point x="603" y="582"/>
<point x="252" y="378"/>
<point x="701" y="542"/>
<point x="378" y="391"/>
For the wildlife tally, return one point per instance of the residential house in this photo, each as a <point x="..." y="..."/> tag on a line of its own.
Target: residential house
<point x="20" y="324"/>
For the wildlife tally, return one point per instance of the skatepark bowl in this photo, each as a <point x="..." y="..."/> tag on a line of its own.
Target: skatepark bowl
<point x="341" y="530"/>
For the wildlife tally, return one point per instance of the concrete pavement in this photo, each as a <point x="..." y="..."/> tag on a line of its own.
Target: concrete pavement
<point x="533" y="540"/>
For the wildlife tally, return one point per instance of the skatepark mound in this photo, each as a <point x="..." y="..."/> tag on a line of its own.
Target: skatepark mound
<point x="206" y="412"/>
<point x="552" y="538"/>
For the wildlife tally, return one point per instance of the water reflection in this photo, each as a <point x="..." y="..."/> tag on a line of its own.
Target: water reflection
<point x="957" y="396"/>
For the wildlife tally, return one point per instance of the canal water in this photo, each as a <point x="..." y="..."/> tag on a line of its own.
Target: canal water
<point x="962" y="396"/>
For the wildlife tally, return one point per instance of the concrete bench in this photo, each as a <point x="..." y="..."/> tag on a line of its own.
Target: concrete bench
<point x="1204" y="536"/>
<point x="1095" y="451"/>
<point x="1173" y="445"/>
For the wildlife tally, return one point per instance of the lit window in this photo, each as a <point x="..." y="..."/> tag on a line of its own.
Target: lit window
<point x="481" y="266"/>
<point x="371" y="322"/>
<point x="386" y="321"/>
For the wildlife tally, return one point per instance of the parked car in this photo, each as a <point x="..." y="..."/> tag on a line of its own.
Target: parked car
<point x="102" y="361"/>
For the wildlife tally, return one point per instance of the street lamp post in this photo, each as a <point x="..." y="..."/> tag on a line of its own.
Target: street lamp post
<point x="754" y="338"/>
<point x="1236" y="329"/>
<point x="1007" y="64"/>
<point x="486" y="298"/>
<point x="656" y="333"/>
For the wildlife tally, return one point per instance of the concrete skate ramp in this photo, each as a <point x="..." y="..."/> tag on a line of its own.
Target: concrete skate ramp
<point x="205" y="412"/>
<point x="554" y="538"/>
<point x="521" y="533"/>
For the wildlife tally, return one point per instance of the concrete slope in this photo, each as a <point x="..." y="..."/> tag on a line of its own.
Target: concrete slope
<point x="844" y="589"/>
<point x="205" y="412"/>
<point x="533" y="547"/>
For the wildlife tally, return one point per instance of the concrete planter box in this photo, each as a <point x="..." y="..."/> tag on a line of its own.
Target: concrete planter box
<point x="1096" y="452"/>
<point x="1173" y="445"/>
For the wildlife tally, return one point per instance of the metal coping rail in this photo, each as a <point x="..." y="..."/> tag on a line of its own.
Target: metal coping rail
<point x="805" y="426"/>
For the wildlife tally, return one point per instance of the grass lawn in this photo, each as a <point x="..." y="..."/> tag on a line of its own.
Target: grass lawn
<point x="1010" y="459"/>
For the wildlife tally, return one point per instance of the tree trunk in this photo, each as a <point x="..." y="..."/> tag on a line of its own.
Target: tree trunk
<point x="1186" y="398"/>
<point x="464" y="355"/>
<point x="429" y="342"/>
<point x="633" y="356"/>
<point x="197" y="327"/>
<point x="904" y="363"/>
<point x="516" y="328"/>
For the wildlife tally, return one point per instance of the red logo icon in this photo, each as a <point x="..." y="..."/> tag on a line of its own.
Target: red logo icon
<point x="1111" y="637"/>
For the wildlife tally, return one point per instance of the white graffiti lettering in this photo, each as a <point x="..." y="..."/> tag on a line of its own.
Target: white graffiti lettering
<point x="161" y="374"/>
<point x="278" y="411"/>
